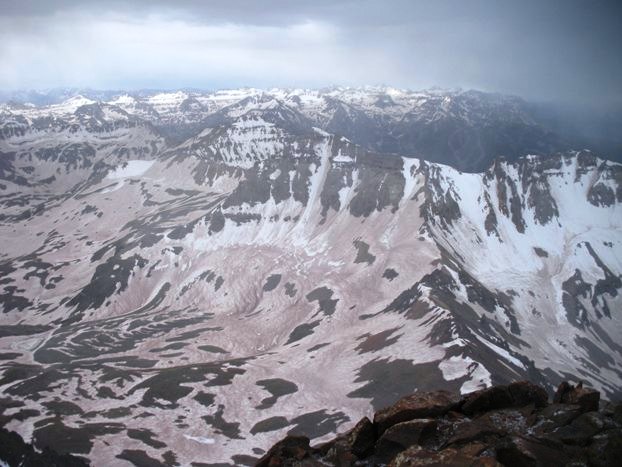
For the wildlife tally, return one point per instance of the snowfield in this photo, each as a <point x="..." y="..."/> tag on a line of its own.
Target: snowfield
<point x="194" y="301"/>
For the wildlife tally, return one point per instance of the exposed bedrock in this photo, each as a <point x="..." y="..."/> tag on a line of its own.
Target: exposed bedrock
<point x="512" y="425"/>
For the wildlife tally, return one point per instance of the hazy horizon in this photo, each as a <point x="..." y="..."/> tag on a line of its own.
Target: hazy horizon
<point x="58" y="94"/>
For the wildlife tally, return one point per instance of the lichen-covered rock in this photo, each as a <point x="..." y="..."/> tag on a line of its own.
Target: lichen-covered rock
<point x="291" y="448"/>
<point x="401" y="436"/>
<point x="606" y="448"/>
<point x="418" y="405"/>
<point x="581" y="430"/>
<point x="357" y="443"/>
<point x="492" y="398"/>
<point x="362" y="437"/>
<point x="510" y="425"/>
<point x="467" y="456"/>
<point x="339" y="454"/>
<point x="555" y="416"/>
<point x="479" y="430"/>
<point x="517" y="394"/>
<point x="587" y="399"/>
<point x="513" y="420"/>
<point x="524" y="451"/>
<point x="525" y="393"/>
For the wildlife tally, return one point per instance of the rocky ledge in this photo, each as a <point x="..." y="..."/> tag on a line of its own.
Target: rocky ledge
<point x="513" y="425"/>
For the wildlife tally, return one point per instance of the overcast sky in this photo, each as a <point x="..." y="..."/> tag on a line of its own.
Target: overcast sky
<point x="540" y="49"/>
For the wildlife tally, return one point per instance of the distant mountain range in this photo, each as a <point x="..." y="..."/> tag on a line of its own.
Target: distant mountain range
<point x="466" y="129"/>
<point x="186" y="277"/>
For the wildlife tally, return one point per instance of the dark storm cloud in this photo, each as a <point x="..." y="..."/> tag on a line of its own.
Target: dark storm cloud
<point x="556" y="49"/>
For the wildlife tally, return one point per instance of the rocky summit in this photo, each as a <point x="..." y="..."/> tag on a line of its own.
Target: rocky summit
<point x="511" y="425"/>
<point x="188" y="277"/>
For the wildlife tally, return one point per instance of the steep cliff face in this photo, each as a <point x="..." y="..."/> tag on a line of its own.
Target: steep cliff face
<point x="534" y="244"/>
<point x="193" y="300"/>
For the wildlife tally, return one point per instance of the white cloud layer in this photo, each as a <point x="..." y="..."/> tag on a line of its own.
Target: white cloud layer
<point x="564" y="49"/>
<point x="82" y="50"/>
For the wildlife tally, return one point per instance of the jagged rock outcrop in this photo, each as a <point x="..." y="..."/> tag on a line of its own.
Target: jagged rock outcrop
<point x="510" y="425"/>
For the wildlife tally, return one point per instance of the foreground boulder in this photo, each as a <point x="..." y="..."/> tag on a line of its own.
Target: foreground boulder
<point x="418" y="405"/>
<point x="517" y="394"/>
<point x="352" y="445"/>
<point x="587" y="399"/>
<point x="286" y="451"/>
<point x="512" y="425"/>
<point x="401" y="436"/>
<point x="466" y="456"/>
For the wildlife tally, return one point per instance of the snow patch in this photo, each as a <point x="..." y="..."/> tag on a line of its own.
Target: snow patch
<point x="503" y="353"/>
<point x="199" y="439"/>
<point x="458" y="367"/>
<point x="130" y="169"/>
<point x="409" y="178"/>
